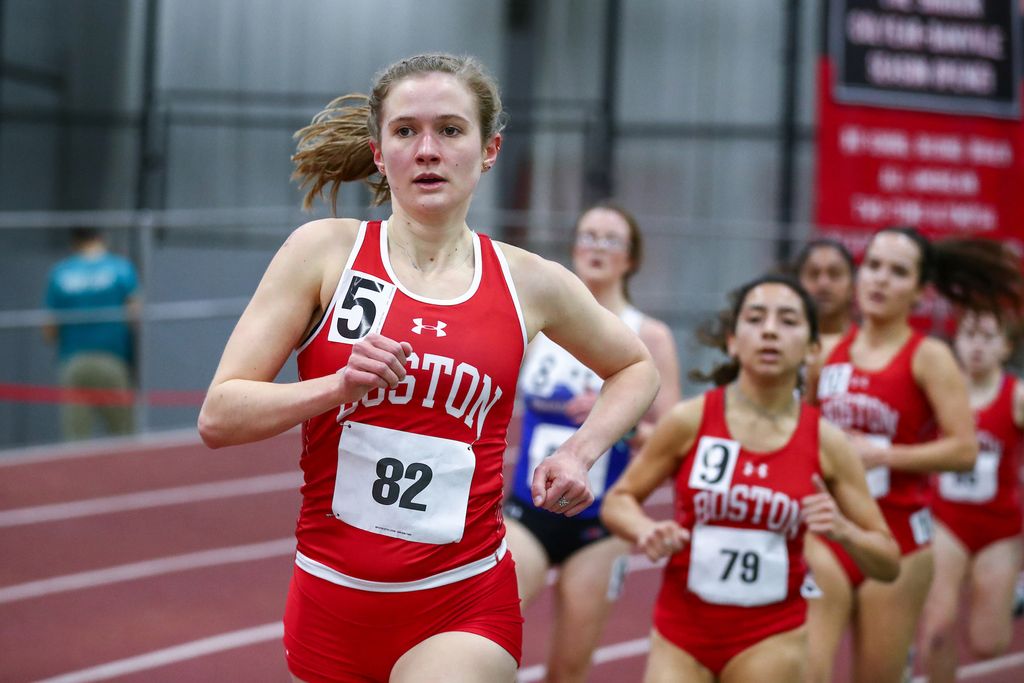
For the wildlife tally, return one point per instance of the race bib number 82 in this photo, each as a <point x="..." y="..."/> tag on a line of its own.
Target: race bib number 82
<point x="403" y="485"/>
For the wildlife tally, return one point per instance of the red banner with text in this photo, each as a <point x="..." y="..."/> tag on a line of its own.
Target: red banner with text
<point x="920" y="122"/>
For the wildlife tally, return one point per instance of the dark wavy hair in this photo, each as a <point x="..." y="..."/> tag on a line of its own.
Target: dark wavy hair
<point x="977" y="274"/>
<point x="716" y="331"/>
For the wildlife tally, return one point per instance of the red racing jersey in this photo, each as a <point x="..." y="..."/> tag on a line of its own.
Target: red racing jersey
<point x="402" y="489"/>
<point x="743" y="511"/>
<point x="994" y="484"/>
<point x="888" y="406"/>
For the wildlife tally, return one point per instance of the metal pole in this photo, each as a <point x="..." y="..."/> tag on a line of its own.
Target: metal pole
<point x="3" y="43"/>
<point x="146" y="160"/>
<point x="142" y="326"/>
<point x="600" y="180"/>
<point x="516" y="165"/>
<point x="143" y="200"/>
<point x="787" y="124"/>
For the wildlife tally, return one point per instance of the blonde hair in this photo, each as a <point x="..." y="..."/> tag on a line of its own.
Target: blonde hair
<point x="335" y="147"/>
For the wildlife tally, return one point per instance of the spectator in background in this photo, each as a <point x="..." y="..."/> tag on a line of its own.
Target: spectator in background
<point x="558" y="392"/>
<point x="94" y="354"/>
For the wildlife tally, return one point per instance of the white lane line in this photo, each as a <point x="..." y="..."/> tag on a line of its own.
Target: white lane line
<point x="608" y="653"/>
<point x="171" y="655"/>
<point x="989" y="666"/>
<point x="150" y="499"/>
<point x="142" y="444"/>
<point x="148" y="568"/>
<point x="275" y="630"/>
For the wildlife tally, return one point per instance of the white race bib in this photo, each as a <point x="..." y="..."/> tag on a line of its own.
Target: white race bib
<point x="977" y="486"/>
<point x="545" y="440"/>
<point x="834" y="379"/>
<point x="746" y="567"/>
<point x="921" y="526"/>
<point x="878" y="477"/>
<point x="713" y="464"/>
<point x="361" y="308"/>
<point x="403" y="485"/>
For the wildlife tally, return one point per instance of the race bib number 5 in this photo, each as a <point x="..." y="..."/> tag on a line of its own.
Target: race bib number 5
<point x="362" y="306"/>
<point x="403" y="485"/>
<point x="745" y="567"/>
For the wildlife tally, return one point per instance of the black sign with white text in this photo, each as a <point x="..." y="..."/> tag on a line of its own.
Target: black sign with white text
<point x="952" y="56"/>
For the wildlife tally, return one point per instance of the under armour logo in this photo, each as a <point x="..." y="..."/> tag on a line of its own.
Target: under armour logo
<point x="438" y="329"/>
<point x="749" y="469"/>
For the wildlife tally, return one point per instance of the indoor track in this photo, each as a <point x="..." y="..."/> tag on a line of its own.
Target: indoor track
<point x="159" y="560"/>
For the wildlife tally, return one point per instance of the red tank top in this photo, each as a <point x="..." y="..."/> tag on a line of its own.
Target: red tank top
<point x="886" y="405"/>
<point x="743" y="511"/>
<point x="994" y="482"/>
<point x="407" y="482"/>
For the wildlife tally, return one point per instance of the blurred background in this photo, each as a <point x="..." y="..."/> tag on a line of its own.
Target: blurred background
<point x="168" y="125"/>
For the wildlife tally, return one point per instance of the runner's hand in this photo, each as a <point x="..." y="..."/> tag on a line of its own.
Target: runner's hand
<point x="662" y="539"/>
<point x="821" y="514"/>
<point x="377" y="362"/>
<point x="560" y="484"/>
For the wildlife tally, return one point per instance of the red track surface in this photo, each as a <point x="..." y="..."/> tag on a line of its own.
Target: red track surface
<point x="173" y="561"/>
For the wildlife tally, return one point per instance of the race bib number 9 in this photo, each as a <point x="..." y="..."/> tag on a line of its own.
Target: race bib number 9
<point x="361" y="307"/>
<point x="713" y="464"/>
<point x="977" y="486"/>
<point x="546" y="439"/>
<point x="745" y="567"/>
<point x="403" y="485"/>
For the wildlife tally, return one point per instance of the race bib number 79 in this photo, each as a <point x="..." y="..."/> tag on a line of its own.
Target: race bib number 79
<point x="744" y="567"/>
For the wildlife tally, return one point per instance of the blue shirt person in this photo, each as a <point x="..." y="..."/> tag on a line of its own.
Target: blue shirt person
<point x="94" y="355"/>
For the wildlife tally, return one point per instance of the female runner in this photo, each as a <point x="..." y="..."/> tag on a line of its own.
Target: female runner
<point x="557" y="393"/>
<point x="753" y="469"/>
<point x="410" y="334"/>
<point x="977" y="538"/>
<point x="891" y="388"/>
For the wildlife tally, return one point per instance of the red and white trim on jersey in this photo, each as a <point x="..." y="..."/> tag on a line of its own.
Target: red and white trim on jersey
<point x="442" y="579"/>
<point x="403" y="487"/>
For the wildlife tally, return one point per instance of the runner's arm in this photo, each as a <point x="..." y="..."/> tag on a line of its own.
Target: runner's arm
<point x="843" y="510"/>
<point x="243" y="403"/>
